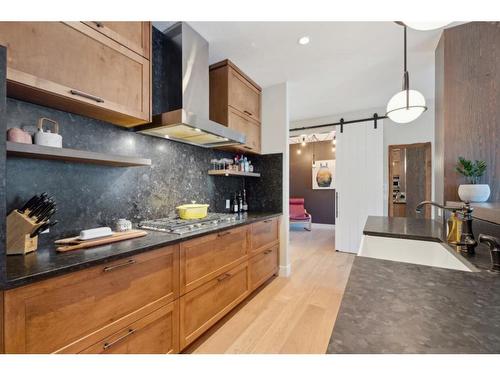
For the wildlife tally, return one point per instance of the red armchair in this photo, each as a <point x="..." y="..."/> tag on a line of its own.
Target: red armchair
<point x="298" y="213"/>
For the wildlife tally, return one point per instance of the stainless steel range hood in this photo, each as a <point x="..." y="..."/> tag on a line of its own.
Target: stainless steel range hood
<point x="181" y="91"/>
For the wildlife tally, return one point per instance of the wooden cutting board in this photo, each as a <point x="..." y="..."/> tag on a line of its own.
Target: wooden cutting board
<point x="74" y="243"/>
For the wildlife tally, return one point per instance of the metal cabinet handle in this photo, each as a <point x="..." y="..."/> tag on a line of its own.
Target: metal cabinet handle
<point x="336" y="204"/>
<point x="268" y="251"/>
<point x="111" y="268"/>
<point x="223" y="277"/>
<point x="108" y="345"/>
<point x="268" y="220"/>
<point x="87" y="96"/>
<point x="223" y="234"/>
<point x="98" y="24"/>
<point x="248" y="113"/>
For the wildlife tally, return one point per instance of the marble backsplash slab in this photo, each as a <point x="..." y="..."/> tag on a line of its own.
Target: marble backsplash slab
<point x="92" y="195"/>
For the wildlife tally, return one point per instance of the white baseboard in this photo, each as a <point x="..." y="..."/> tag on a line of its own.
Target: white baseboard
<point x="323" y="226"/>
<point x="285" y="271"/>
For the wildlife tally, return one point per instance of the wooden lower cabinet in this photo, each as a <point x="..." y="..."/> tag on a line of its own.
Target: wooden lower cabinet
<point x="204" y="306"/>
<point x="47" y="316"/>
<point x="156" y="333"/>
<point x="204" y="258"/>
<point x="136" y="304"/>
<point x="264" y="234"/>
<point x="263" y="266"/>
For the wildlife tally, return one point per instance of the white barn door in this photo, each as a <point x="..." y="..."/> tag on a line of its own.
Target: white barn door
<point x="359" y="181"/>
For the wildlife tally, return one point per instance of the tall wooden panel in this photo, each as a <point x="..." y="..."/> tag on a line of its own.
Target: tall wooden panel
<point x="468" y="103"/>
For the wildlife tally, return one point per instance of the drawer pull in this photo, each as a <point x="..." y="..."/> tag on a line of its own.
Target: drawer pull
<point x="98" y="24"/>
<point x="248" y="113"/>
<point x="111" y="268"/>
<point x="87" y="96"/>
<point x="223" y="234"/>
<point x="223" y="277"/>
<point x="268" y="251"/>
<point x="268" y="220"/>
<point x="108" y="345"/>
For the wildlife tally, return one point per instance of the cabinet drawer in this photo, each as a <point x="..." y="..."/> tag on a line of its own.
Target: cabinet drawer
<point x="243" y="96"/>
<point x="251" y="129"/>
<point x="72" y="67"/>
<point x="206" y="257"/>
<point x="49" y="315"/>
<point x="264" y="234"/>
<point x="262" y="266"/>
<point x="156" y="333"/>
<point x="204" y="306"/>
<point x="133" y="35"/>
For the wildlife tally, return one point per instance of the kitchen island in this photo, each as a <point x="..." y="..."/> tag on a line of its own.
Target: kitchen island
<point x="395" y="307"/>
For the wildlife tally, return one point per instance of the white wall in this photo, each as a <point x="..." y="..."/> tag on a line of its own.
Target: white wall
<point x="421" y="130"/>
<point x="275" y="132"/>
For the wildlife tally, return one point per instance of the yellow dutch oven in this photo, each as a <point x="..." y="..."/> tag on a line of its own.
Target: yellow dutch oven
<point x="192" y="211"/>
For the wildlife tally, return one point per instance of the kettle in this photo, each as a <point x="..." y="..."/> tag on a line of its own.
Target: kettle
<point x="48" y="138"/>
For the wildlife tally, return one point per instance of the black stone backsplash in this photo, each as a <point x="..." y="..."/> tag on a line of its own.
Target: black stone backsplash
<point x="91" y="195"/>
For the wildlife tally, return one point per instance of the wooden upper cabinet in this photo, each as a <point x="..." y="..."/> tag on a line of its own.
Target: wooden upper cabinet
<point x="235" y="101"/>
<point x="136" y="36"/>
<point x="250" y="128"/>
<point x="82" y="69"/>
<point x="243" y="95"/>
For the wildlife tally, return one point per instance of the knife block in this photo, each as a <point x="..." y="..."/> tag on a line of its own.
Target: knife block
<point x="19" y="228"/>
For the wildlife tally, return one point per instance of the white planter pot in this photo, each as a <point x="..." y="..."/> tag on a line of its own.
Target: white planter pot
<point x="474" y="193"/>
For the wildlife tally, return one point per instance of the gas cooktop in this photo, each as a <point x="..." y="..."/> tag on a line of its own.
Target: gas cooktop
<point x="175" y="225"/>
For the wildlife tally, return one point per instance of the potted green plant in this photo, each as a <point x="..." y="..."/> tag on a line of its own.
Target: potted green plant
<point x="473" y="191"/>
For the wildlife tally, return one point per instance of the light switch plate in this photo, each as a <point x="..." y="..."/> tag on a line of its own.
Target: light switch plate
<point x="228" y="204"/>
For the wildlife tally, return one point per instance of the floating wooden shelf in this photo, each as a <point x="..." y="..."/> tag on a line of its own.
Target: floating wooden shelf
<point x="228" y="173"/>
<point x="78" y="156"/>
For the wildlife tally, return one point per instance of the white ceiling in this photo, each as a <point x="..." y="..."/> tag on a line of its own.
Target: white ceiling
<point x="347" y="66"/>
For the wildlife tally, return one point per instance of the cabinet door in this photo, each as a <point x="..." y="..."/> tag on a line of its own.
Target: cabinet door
<point x="264" y="235"/>
<point x="204" y="258"/>
<point x="47" y="316"/>
<point x="156" y="333"/>
<point x="204" y="306"/>
<point x="243" y="96"/>
<point x="72" y="67"/>
<point x="251" y="129"/>
<point x="133" y="35"/>
<point x="262" y="266"/>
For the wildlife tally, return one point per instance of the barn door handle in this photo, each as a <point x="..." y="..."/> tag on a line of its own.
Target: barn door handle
<point x="336" y="204"/>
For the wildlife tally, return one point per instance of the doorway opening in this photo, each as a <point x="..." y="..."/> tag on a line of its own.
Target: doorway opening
<point x="410" y="179"/>
<point x="312" y="183"/>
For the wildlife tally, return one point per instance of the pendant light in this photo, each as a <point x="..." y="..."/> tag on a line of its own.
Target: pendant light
<point x="426" y="26"/>
<point x="407" y="105"/>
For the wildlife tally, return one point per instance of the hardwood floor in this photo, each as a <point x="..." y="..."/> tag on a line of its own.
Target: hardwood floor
<point x="288" y="315"/>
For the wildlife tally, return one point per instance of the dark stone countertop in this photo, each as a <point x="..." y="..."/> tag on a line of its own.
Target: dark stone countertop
<point x="46" y="262"/>
<point x="404" y="227"/>
<point x="395" y="307"/>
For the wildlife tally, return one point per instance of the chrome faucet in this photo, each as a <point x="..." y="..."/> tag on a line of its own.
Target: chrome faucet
<point x="467" y="242"/>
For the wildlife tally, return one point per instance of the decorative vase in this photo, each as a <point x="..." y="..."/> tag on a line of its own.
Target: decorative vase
<point x="474" y="192"/>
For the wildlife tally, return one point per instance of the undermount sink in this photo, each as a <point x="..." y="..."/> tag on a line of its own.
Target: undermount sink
<point x="425" y="253"/>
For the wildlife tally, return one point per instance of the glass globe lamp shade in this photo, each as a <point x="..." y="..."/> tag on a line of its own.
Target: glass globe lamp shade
<point x="399" y="112"/>
<point x="425" y="26"/>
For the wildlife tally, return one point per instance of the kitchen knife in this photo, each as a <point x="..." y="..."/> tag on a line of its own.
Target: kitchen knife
<point x="42" y="228"/>
<point x="45" y="214"/>
<point x="29" y="203"/>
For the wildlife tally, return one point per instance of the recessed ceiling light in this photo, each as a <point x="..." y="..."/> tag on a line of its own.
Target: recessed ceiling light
<point x="303" y="40"/>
